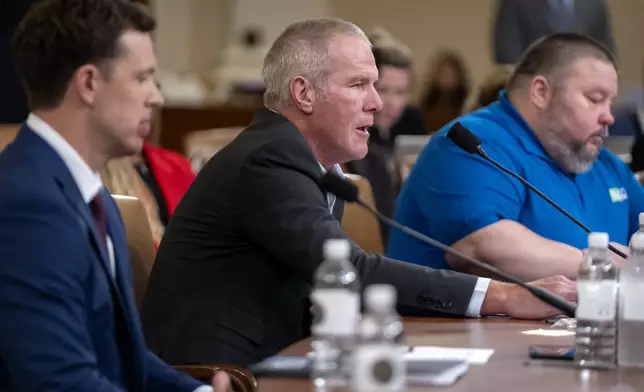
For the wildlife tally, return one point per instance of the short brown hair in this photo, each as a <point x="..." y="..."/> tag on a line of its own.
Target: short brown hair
<point x="551" y="56"/>
<point x="56" y="37"/>
<point x="392" y="57"/>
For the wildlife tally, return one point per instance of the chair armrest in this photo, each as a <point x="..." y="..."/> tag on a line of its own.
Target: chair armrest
<point x="240" y="379"/>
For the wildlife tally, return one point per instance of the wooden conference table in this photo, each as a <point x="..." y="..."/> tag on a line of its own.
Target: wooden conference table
<point x="506" y="369"/>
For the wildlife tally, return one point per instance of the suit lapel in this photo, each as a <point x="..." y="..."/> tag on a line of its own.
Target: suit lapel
<point x="123" y="275"/>
<point x="338" y="210"/>
<point x="74" y="198"/>
<point x="123" y="280"/>
<point x="266" y="118"/>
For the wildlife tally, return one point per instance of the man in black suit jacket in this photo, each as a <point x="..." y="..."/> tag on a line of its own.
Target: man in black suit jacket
<point x="235" y="268"/>
<point x="519" y="23"/>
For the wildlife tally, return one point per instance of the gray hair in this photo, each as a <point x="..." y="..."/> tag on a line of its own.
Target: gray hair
<point x="301" y="50"/>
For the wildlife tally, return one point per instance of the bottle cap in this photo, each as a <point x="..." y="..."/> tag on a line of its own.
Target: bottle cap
<point x="598" y="240"/>
<point x="337" y="249"/>
<point x="380" y="296"/>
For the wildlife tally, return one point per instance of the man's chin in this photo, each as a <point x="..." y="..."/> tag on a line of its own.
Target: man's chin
<point x="134" y="147"/>
<point x="354" y="155"/>
<point x="582" y="164"/>
<point x="360" y="153"/>
<point x="592" y="152"/>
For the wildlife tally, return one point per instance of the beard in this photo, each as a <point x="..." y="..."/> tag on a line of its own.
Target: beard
<point x="572" y="155"/>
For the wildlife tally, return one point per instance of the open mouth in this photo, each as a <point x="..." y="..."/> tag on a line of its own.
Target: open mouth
<point x="363" y="129"/>
<point x="597" y="140"/>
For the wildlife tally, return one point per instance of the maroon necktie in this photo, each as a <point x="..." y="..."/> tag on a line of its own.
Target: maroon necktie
<point x="98" y="212"/>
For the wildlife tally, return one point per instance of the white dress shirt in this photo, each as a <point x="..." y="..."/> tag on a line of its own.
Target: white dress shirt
<point x="89" y="182"/>
<point x="482" y="284"/>
<point x="330" y="197"/>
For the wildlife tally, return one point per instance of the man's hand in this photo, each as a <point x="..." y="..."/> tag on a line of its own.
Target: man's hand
<point x="221" y="382"/>
<point x="517" y="302"/>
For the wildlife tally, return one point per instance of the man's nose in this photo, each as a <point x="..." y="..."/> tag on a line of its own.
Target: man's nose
<point x="373" y="103"/>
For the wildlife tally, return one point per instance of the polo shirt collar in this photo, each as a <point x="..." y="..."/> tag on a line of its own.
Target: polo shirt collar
<point x="521" y="130"/>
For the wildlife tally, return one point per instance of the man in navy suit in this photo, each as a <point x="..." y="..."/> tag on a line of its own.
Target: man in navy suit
<point x="68" y="319"/>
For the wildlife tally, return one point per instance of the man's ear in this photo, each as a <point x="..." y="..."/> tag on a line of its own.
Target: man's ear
<point x="86" y="80"/>
<point x="303" y="94"/>
<point x="540" y="92"/>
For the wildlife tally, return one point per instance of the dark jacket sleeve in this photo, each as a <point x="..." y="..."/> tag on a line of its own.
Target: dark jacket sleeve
<point x="286" y="213"/>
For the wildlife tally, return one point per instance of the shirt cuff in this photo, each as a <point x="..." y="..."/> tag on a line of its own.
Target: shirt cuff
<point x="204" y="388"/>
<point x="474" y="308"/>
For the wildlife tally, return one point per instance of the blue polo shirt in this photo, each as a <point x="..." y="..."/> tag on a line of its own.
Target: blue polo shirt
<point x="450" y="193"/>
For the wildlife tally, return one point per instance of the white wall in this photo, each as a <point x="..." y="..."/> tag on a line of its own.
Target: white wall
<point x="282" y="13"/>
<point x="190" y="33"/>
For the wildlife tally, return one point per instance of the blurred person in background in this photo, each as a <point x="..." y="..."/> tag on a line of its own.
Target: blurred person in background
<point x="447" y="90"/>
<point x="633" y="98"/>
<point x="518" y="23"/>
<point x="156" y="176"/>
<point x="629" y="121"/>
<point x="395" y="67"/>
<point x="489" y="90"/>
<point x="397" y="117"/>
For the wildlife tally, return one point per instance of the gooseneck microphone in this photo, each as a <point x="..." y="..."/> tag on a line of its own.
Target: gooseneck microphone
<point x="350" y="193"/>
<point x="466" y="140"/>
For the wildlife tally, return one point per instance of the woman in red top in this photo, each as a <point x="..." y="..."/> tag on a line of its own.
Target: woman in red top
<point x="157" y="177"/>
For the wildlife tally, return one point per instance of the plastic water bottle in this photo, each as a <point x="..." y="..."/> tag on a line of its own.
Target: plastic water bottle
<point x="640" y="232"/>
<point x="595" y="338"/>
<point x="336" y="314"/>
<point x="381" y="322"/>
<point x="378" y="361"/>
<point x="630" y="348"/>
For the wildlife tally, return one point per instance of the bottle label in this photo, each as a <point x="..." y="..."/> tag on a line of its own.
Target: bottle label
<point x="335" y="311"/>
<point x="632" y="295"/>
<point x="597" y="300"/>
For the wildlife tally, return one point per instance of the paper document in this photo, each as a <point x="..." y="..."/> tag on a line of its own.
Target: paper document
<point x="474" y="356"/>
<point x="435" y="372"/>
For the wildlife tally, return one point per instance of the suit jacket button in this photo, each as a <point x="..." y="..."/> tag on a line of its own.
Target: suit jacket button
<point x="421" y="300"/>
<point x="446" y="304"/>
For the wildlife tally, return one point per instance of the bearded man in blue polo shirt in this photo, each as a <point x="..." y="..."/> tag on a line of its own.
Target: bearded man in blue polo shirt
<point x="548" y="127"/>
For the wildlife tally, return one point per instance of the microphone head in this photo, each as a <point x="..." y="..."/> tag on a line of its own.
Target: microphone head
<point x="464" y="138"/>
<point x="340" y="187"/>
